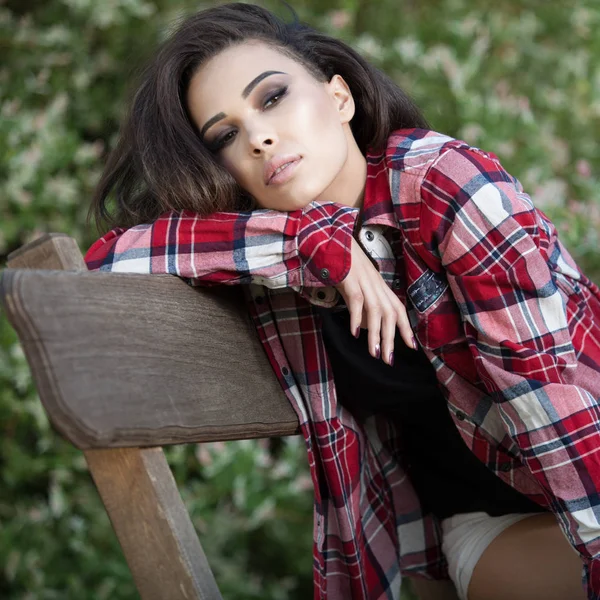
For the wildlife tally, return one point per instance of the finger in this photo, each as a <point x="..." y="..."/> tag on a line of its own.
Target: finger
<point x="388" y="303"/>
<point x="354" y="302"/>
<point x="388" y="333"/>
<point x="403" y="324"/>
<point x="374" y="325"/>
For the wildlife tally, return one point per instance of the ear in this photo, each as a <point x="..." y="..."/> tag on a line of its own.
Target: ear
<point x="342" y="98"/>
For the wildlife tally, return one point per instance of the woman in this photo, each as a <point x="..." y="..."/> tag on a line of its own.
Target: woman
<point x="263" y="153"/>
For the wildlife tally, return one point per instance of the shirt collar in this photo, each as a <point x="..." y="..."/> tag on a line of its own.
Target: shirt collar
<point x="378" y="208"/>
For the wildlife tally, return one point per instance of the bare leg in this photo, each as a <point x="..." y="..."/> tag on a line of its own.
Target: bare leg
<point x="529" y="560"/>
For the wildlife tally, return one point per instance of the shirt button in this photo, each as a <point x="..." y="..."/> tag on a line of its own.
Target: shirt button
<point x="370" y="236"/>
<point x="396" y="284"/>
<point x="505" y="467"/>
<point x="321" y="295"/>
<point x="460" y="415"/>
<point x="324" y="273"/>
<point x="259" y="299"/>
<point x="285" y="371"/>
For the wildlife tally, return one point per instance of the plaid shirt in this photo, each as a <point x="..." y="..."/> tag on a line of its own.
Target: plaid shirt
<point x="510" y="324"/>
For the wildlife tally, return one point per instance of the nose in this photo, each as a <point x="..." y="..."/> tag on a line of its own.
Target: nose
<point x="261" y="140"/>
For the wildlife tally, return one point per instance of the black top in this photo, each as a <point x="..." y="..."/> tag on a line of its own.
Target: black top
<point x="448" y="478"/>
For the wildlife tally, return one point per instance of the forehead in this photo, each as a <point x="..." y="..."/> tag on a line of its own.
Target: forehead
<point x="233" y="68"/>
<point x="248" y="59"/>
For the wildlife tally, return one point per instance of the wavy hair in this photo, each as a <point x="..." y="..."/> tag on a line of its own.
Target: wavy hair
<point x="160" y="164"/>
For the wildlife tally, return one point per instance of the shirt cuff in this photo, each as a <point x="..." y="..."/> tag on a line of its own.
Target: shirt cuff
<point x="325" y="243"/>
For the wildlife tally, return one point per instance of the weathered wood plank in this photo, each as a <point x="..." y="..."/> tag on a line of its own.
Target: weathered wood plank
<point x="152" y="524"/>
<point x="136" y="360"/>
<point x="136" y="485"/>
<point x="50" y="251"/>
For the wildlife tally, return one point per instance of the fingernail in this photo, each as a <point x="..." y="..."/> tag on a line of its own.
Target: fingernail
<point x="357" y="333"/>
<point x="391" y="359"/>
<point x="414" y="341"/>
<point x="377" y="351"/>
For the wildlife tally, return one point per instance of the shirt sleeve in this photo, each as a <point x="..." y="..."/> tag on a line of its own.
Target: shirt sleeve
<point x="496" y="250"/>
<point x="309" y="247"/>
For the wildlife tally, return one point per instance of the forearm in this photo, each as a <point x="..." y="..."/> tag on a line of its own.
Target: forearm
<point x="309" y="247"/>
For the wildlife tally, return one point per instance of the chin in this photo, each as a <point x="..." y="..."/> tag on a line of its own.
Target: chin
<point x="297" y="204"/>
<point x="316" y="194"/>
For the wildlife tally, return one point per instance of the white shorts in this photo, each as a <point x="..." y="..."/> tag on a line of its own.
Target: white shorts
<point x="464" y="539"/>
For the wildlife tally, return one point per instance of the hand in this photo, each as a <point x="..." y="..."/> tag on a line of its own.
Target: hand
<point x="373" y="306"/>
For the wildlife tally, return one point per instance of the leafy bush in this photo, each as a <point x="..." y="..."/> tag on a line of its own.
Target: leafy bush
<point x="521" y="79"/>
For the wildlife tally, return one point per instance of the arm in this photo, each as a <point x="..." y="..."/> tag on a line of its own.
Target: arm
<point x="309" y="247"/>
<point x="496" y="250"/>
<point x="306" y="248"/>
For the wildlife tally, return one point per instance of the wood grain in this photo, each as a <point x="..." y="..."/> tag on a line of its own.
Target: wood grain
<point x="152" y="524"/>
<point x="139" y="360"/>
<point x="136" y="485"/>
<point x="50" y="251"/>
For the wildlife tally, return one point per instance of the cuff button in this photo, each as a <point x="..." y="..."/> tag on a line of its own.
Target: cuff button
<point x="324" y="273"/>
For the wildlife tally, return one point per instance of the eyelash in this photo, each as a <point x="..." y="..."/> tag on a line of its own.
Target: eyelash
<point x="270" y="100"/>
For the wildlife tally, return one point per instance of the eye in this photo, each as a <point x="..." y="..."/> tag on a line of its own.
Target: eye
<point x="270" y="100"/>
<point x="275" y="97"/>
<point x="222" y="141"/>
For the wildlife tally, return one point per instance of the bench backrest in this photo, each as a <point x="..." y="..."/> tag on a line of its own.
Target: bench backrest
<point x="127" y="363"/>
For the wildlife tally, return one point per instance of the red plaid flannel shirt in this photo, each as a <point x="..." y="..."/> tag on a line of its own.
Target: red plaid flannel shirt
<point x="510" y="324"/>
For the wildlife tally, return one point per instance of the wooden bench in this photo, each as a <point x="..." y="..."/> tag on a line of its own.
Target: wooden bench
<point x="125" y="364"/>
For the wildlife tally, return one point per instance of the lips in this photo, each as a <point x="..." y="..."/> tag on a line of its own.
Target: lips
<point x="278" y="165"/>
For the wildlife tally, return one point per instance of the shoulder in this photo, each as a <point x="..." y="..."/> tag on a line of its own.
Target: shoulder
<point x="451" y="182"/>
<point x="415" y="150"/>
<point x="418" y="150"/>
<point x="436" y="160"/>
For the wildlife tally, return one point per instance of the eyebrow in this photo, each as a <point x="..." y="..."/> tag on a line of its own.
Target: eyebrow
<point x="245" y="93"/>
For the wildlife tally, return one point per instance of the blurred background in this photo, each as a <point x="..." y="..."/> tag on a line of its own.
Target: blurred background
<point x="518" y="78"/>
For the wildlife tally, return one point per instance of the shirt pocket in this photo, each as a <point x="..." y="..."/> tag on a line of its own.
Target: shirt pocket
<point x="435" y="316"/>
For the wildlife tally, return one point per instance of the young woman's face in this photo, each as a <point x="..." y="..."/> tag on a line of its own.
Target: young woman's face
<point x="281" y="133"/>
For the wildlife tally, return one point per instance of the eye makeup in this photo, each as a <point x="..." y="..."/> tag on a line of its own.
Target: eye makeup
<point x="274" y="97"/>
<point x="245" y="93"/>
<point x="271" y="98"/>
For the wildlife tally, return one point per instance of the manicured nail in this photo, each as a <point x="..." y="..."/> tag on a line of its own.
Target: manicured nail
<point x="377" y="351"/>
<point x="414" y="341"/>
<point x="357" y="332"/>
<point x="391" y="359"/>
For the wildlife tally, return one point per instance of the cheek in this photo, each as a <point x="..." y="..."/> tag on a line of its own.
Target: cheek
<point x="314" y="115"/>
<point x="231" y="162"/>
<point x="322" y="133"/>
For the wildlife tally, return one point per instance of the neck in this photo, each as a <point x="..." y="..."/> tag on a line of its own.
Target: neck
<point x="349" y="186"/>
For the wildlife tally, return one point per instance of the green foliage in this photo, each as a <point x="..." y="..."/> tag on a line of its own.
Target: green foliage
<point x="518" y="78"/>
<point x="252" y="508"/>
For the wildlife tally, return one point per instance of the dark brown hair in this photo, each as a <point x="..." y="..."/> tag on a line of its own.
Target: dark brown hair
<point x="160" y="164"/>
